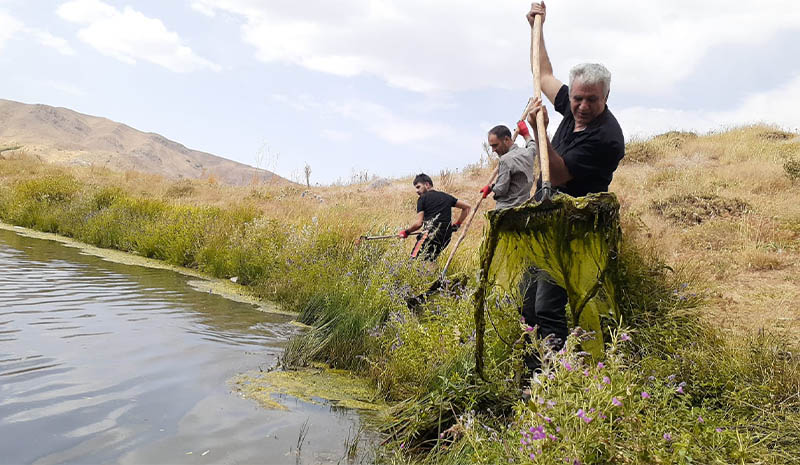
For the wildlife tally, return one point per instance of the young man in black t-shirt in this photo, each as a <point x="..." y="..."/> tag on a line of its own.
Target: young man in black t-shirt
<point x="434" y="217"/>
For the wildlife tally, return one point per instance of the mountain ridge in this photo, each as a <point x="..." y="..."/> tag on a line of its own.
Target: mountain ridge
<point x="65" y="136"/>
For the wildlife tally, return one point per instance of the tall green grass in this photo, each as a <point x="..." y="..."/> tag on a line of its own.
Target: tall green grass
<point x="353" y="297"/>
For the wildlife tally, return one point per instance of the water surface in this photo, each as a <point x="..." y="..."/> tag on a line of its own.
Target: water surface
<point x="102" y="362"/>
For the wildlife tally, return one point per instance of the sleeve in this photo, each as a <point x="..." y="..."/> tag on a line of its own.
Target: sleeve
<point x="531" y="148"/>
<point x="595" y="157"/>
<point x="421" y="204"/>
<point x="503" y="179"/>
<point x="562" y="100"/>
<point x="451" y="200"/>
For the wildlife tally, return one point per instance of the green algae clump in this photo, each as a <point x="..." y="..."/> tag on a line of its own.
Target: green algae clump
<point x="315" y="385"/>
<point x="575" y="240"/>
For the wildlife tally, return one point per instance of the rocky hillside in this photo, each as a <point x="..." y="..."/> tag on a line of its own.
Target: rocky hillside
<point x="63" y="136"/>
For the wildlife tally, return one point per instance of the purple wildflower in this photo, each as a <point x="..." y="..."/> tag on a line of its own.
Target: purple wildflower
<point x="586" y="372"/>
<point x="645" y="395"/>
<point x="529" y="329"/>
<point x="582" y="415"/>
<point x="700" y="420"/>
<point x="667" y="437"/>
<point x="606" y="380"/>
<point x="679" y="390"/>
<point x="567" y="365"/>
<point x="616" y="402"/>
<point x="624" y="337"/>
<point x="718" y="430"/>
<point x="600" y="365"/>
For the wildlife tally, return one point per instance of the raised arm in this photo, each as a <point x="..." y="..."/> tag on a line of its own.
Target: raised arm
<point x="550" y="85"/>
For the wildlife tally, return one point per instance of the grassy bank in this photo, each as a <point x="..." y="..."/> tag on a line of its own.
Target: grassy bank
<point x="712" y="230"/>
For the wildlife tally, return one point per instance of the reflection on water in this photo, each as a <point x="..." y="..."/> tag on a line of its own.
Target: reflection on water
<point x="103" y="363"/>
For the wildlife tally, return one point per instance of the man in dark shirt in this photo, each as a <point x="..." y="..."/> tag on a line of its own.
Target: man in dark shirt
<point x="435" y="217"/>
<point x="583" y="155"/>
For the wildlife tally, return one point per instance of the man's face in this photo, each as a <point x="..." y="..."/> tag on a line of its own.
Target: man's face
<point x="422" y="187"/>
<point x="498" y="145"/>
<point x="586" y="102"/>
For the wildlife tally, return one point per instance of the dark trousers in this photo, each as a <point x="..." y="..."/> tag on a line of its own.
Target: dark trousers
<point x="543" y="306"/>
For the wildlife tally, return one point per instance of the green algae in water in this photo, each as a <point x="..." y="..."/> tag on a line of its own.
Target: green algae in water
<point x="575" y="240"/>
<point x="339" y="387"/>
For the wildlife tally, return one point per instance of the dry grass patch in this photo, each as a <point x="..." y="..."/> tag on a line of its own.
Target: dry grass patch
<point x="692" y="209"/>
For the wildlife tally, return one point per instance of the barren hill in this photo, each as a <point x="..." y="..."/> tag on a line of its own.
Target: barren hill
<point x="63" y="136"/>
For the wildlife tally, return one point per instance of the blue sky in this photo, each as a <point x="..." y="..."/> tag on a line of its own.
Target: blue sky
<point x="389" y="87"/>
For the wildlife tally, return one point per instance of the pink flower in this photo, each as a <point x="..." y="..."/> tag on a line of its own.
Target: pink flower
<point x="645" y="395"/>
<point x="624" y="337"/>
<point x="616" y="402"/>
<point x="700" y="420"/>
<point x="667" y="437"/>
<point x="529" y="329"/>
<point x="600" y="365"/>
<point x="679" y="390"/>
<point x="606" y="380"/>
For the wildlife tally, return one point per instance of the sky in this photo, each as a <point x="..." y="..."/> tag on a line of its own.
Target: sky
<point x="388" y="87"/>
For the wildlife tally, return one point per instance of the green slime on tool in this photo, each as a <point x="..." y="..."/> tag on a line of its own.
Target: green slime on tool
<point x="575" y="240"/>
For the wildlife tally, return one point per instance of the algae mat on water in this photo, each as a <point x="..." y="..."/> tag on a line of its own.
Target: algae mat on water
<point x="575" y="240"/>
<point x="340" y="387"/>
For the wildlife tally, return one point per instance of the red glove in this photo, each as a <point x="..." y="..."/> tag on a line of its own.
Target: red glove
<point x="523" y="129"/>
<point x="485" y="191"/>
<point x="403" y="234"/>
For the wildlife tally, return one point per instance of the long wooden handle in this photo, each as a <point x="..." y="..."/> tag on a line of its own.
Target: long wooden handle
<point x="536" y="39"/>
<point x="466" y="226"/>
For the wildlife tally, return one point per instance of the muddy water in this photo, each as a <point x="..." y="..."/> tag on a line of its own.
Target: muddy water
<point x="109" y="363"/>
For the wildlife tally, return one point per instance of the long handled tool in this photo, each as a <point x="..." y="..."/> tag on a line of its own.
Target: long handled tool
<point x="536" y="68"/>
<point x="390" y="236"/>
<point x="376" y="238"/>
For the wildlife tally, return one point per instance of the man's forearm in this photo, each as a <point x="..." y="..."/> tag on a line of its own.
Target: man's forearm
<point x="559" y="173"/>
<point x="463" y="216"/>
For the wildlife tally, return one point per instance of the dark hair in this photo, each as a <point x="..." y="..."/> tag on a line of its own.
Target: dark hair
<point x="501" y="132"/>
<point x="423" y="178"/>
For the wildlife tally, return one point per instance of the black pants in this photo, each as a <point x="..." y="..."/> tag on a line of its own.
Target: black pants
<point x="543" y="305"/>
<point x="430" y="246"/>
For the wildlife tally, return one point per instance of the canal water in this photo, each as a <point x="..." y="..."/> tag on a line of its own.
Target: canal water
<point x="102" y="362"/>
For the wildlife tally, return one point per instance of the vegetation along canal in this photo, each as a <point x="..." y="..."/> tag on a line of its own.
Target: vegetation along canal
<point x="103" y="362"/>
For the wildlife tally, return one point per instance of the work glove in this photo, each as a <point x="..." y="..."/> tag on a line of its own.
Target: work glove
<point x="403" y="234"/>
<point x="485" y="191"/>
<point x="523" y="129"/>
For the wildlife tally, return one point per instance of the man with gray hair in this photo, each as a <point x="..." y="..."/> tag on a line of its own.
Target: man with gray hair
<point x="584" y="152"/>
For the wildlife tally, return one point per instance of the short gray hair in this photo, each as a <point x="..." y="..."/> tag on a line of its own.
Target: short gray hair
<point x="591" y="74"/>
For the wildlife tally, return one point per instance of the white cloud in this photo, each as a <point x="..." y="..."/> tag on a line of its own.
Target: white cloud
<point x="9" y="26"/>
<point x="453" y="45"/>
<point x="377" y="119"/>
<point x="49" y="40"/>
<point x="776" y="106"/>
<point x="129" y="36"/>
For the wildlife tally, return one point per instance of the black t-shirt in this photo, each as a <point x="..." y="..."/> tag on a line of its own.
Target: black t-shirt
<point x="436" y="206"/>
<point x="591" y="155"/>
